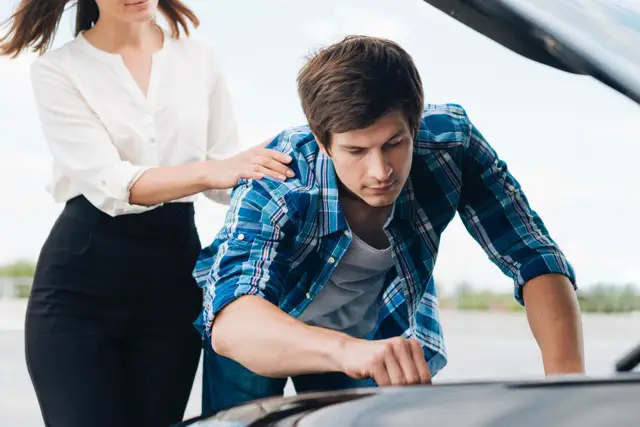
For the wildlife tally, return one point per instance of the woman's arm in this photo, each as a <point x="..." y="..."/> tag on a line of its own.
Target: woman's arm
<point x="82" y="148"/>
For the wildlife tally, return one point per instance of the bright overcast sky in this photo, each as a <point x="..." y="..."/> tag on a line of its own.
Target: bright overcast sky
<point x="570" y="141"/>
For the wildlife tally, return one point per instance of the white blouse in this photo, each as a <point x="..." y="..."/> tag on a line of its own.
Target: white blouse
<point x="102" y="131"/>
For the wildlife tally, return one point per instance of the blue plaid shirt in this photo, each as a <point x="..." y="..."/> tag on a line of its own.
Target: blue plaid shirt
<point x="282" y="240"/>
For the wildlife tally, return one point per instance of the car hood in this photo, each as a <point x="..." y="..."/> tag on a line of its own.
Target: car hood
<point x="599" y="38"/>
<point x="564" y="401"/>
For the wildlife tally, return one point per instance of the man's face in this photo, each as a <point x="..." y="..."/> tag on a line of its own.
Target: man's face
<point x="374" y="163"/>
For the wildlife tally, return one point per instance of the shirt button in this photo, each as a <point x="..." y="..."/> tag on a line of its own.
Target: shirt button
<point x="332" y="260"/>
<point x="347" y="233"/>
<point x="308" y="295"/>
<point x="511" y="188"/>
<point x="240" y="236"/>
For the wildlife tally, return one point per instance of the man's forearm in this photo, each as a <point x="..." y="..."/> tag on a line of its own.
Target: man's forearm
<point x="273" y="344"/>
<point x="554" y="317"/>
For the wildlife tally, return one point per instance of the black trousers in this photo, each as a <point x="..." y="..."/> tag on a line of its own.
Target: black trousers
<point x="109" y="335"/>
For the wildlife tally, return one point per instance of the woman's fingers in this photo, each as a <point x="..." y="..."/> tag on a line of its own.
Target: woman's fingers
<point x="275" y="161"/>
<point x="275" y="154"/>
<point x="277" y="167"/>
<point x="266" y="171"/>
<point x="264" y="162"/>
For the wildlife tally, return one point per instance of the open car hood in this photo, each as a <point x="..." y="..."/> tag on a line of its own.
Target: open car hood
<point x="599" y="38"/>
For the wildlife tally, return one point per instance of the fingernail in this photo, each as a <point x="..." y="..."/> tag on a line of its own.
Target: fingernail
<point x="290" y="173"/>
<point x="289" y="158"/>
<point x="282" y="177"/>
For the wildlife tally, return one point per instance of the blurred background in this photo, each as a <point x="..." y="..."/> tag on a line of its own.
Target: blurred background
<point x="570" y="141"/>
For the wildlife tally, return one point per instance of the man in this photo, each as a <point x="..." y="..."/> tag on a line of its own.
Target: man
<point x="327" y="277"/>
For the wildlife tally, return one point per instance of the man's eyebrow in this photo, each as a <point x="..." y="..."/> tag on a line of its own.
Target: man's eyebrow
<point x="395" y="135"/>
<point x="391" y="138"/>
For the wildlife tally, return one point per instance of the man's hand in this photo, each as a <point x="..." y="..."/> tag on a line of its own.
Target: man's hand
<point x="395" y="361"/>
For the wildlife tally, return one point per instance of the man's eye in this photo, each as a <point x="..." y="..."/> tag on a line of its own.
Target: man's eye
<point x="356" y="151"/>
<point x="393" y="143"/>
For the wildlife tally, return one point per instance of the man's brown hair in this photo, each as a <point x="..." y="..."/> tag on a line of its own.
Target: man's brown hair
<point x="34" y="22"/>
<point x="351" y="84"/>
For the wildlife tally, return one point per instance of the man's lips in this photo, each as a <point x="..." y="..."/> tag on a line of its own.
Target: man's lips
<point x="383" y="187"/>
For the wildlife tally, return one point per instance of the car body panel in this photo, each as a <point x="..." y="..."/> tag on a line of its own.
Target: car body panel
<point x="565" y="401"/>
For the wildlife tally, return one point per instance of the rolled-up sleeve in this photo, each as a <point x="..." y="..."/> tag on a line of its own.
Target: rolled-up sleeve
<point x="80" y="145"/>
<point x="249" y="256"/>
<point x="497" y="214"/>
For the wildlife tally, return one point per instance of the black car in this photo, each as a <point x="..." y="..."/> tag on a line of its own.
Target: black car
<point x="598" y="38"/>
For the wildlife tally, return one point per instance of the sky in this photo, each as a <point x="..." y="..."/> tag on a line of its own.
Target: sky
<point x="570" y="141"/>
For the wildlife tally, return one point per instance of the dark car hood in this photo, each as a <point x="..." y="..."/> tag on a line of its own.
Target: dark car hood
<point x="599" y="38"/>
<point x="560" y="402"/>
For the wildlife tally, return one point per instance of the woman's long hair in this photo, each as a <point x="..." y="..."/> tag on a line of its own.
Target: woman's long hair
<point x="35" y="22"/>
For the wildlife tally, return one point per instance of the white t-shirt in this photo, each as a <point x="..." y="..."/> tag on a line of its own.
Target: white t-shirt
<point x="102" y="131"/>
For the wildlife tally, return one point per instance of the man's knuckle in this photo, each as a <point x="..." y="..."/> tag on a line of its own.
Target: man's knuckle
<point x="377" y="360"/>
<point x="389" y="346"/>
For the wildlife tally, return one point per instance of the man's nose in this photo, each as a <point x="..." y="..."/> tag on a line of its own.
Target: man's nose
<point x="379" y="168"/>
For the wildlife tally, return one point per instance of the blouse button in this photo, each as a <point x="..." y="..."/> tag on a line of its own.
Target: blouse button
<point x="332" y="260"/>
<point x="240" y="236"/>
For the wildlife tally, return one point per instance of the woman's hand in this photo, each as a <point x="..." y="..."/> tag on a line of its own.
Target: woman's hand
<point x="254" y="163"/>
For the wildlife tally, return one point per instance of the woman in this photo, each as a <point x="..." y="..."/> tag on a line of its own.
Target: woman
<point x="138" y="121"/>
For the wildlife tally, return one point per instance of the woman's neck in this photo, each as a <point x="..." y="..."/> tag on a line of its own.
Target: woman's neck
<point x="117" y="36"/>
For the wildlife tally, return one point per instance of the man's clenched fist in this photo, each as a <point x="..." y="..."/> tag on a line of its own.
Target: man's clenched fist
<point x="395" y="361"/>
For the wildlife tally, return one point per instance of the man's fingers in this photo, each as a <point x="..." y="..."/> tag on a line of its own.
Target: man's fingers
<point x="404" y="354"/>
<point x="393" y="368"/>
<point x="420" y="362"/>
<point x="380" y="375"/>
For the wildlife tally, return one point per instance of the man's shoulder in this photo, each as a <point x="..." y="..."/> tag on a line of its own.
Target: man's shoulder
<point x="298" y="142"/>
<point x="299" y="192"/>
<point x="443" y="125"/>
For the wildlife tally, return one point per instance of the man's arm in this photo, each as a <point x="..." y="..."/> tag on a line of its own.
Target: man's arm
<point x="554" y="317"/>
<point x="245" y="284"/>
<point x="282" y="346"/>
<point x="497" y="214"/>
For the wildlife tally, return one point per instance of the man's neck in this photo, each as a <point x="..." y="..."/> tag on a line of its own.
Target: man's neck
<point x="366" y="221"/>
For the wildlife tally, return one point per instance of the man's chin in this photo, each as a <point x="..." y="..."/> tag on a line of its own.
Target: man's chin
<point x="380" y="201"/>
